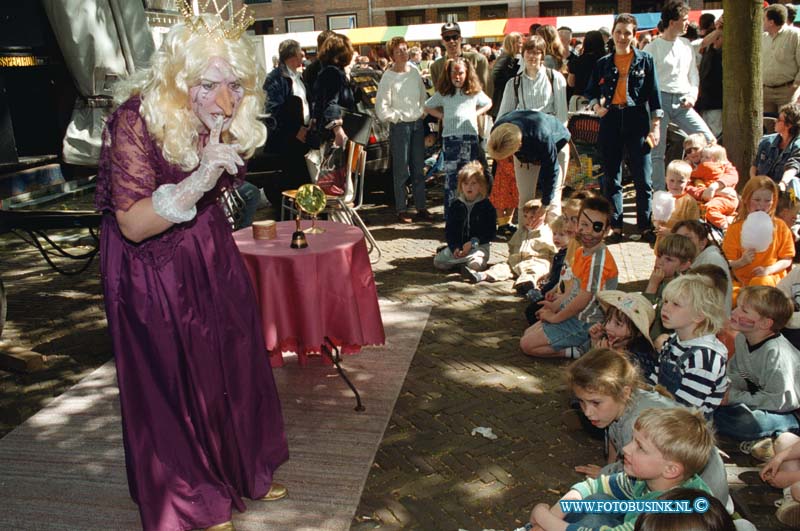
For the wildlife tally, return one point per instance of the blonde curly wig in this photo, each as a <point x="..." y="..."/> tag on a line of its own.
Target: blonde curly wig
<point x="164" y="89"/>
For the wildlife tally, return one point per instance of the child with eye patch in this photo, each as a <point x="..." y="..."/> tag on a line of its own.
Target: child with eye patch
<point x="564" y="322"/>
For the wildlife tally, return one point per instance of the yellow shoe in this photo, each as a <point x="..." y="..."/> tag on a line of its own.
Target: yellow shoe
<point x="227" y="526"/>
<point x="276" y="492"/>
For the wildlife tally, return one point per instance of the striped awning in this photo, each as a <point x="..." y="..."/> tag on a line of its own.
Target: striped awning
<point x="469" y="29"/>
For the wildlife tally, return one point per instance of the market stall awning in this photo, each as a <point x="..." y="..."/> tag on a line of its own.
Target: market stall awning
<point x="490" y="28"/>
<point x="522" y="25"/>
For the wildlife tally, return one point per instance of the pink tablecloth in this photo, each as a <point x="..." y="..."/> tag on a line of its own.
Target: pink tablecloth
<point x="326" y="289"/>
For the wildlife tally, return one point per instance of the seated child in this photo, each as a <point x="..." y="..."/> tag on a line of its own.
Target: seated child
<point x="713" y="184"/>
<point x="678" y="174"/>
<point x="530" y="252"/>
<point x="707" y="253"/>
<point x="766" y="268"/>
<point x="562" y="236"/>
<point x="717" y="276"/>
<point x="561" y="283"/>
<point x="626" y="328"/>
<point x="674" y="255"/>
<point x="693" y="146"/>
<point x="715" y="518"/>
<point x="691" y="364"/>
<point x="764" y="374"/>
<point x="565" y="321"/>
<point x="668" y="448"/>
<point x="790" y="286"/>
<point x="612" y="395"/>
<point x="783" y="472"/>
<point x="787" y="210"/>
<point x="470" y="225"/>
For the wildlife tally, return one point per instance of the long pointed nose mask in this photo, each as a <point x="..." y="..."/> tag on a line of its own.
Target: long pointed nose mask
<point x="224" y="100"/>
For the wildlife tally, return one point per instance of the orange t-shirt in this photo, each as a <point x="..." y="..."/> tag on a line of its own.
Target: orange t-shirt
<point x="782" y="246"/>
<point x="623" y="64"/>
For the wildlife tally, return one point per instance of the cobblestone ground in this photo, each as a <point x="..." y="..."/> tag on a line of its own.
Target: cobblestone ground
<point x="430" y="473"/>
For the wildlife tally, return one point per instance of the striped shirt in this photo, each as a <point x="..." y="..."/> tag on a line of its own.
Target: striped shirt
<point x="702" y="362"/>
<point x="536" y="94"/>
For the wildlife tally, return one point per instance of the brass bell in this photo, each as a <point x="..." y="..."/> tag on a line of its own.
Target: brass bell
<point x="298" y="237"/>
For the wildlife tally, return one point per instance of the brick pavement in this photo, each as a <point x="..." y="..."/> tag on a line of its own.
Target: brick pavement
<point x="430" y="472"/>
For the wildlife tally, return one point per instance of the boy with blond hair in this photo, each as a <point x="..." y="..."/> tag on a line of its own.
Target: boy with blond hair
<point x="679" y="174"/>
<point x="713" y="184"/>
<point x="674" y="255"/>
<point x="668" y="449"/>
<point x="530" y="251"/>
<point x="765" y="372"/>
<point x="691" y="364"/>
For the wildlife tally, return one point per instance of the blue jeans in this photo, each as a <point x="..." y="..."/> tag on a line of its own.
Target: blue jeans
<point x="740" y="422"/>
<point x="686" y="119"/>
<point x="407" y="141"/>
<point x="624" y="130"/>
<point x="458" y="150"/>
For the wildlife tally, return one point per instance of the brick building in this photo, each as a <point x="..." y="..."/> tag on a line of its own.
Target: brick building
<point x="282" y="16"/>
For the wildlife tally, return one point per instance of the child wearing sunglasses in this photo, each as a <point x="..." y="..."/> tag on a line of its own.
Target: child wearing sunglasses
<point x="564" y="322"/>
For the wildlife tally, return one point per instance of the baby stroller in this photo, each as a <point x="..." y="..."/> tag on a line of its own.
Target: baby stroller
<point x="585" y="162"/>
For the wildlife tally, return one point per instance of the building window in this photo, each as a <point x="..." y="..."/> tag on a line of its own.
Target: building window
<point x="555" y="9"/>
<point x="601" y="8"/>
<point x="453" y="14"/>
<point x="263" y="27"/>
<point x="340" y="22"/>
<point x="646" y="6"/>
<point x="406" y="18"/>
<point x="299" y="24"/>
<point x="494" y="12"/>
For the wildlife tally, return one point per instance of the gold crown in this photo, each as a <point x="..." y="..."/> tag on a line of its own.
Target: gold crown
<point x="231" y="28"/>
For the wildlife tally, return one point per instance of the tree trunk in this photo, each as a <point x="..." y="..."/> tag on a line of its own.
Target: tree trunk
<point x="741" y="82"/>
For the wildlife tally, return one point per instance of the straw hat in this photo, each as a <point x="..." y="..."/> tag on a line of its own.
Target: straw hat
<point x="634" y="305"/>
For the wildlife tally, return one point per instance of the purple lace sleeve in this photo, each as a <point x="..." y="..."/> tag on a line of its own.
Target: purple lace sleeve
<point x="127" y="169"/>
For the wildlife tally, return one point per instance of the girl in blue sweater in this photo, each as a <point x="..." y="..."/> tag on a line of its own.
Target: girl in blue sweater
<point x="470" y="227"/>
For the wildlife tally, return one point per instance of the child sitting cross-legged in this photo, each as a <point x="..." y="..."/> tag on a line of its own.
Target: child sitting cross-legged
<point x="668" y="448"/>
<point x="674" y="255"/>
<point x="764" y="374"/>
<point x="471" y="225"/>
<point x="530" y="251"/>
<point x="612" y="395"/>
<point x="691" y="364"/>
<point x="565" y="321"/>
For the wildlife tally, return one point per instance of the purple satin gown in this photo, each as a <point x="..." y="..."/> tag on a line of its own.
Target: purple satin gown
<point x="201" y="417"/>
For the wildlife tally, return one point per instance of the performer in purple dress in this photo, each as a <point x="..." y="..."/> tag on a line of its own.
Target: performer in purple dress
<point x="201" y="417"/>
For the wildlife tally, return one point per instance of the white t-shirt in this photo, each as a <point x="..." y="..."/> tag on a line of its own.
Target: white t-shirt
<point x="675" y="66"/>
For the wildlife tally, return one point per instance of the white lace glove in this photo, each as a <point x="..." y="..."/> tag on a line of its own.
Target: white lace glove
<point x="176" y="202"/>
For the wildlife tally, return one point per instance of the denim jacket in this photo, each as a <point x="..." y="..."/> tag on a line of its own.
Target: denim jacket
<point x="771" y="161"/>
<point x="642" y="82"/>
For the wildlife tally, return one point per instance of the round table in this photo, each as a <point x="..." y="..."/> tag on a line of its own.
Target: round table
<point x="326" y="289"/>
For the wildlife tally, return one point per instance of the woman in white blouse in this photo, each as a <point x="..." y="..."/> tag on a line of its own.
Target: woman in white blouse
<point x="399" y="101"/>
<point x="537" y="88"/>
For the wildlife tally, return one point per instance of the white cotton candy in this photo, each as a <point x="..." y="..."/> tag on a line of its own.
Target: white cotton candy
<point x="663" y="205"/>
<point x="757" y="231"/>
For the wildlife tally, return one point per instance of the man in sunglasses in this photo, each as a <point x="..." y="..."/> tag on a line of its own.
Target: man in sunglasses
<point x="451" y="39"/>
